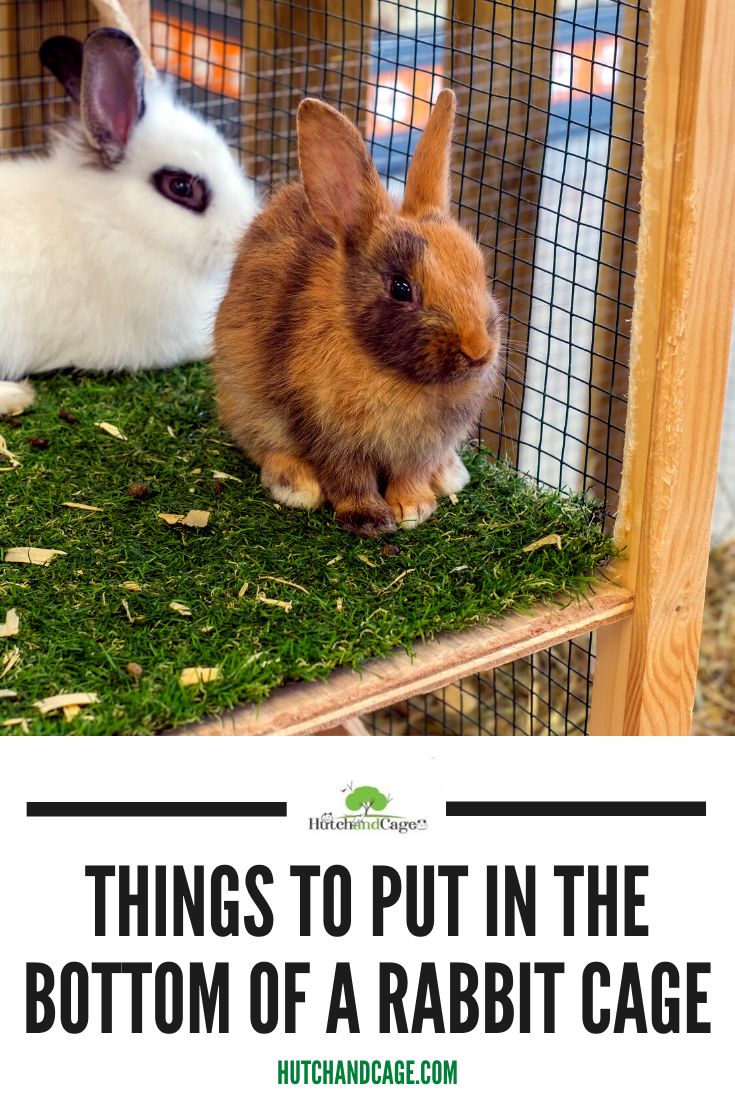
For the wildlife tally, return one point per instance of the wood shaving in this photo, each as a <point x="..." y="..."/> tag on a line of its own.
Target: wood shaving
<point x="285" y="605"/>
<point x="11" y="624"/>
<point x="554" y="540"/>
<point x="458" y="569"/>
<point x="453" y="498"/>
<point x="196" y="470"/>
<point x="112" y="430"/>
<point x="171" y="518"/>
<point x="198" y="675"/>
<point x="6" y="453"/>
<point x="340" y="604"/>
<point x="8" y="694"/>
<point x="63" y="700"/>
<point x="196" y="518"/>
<point x="171" y="432"/>
<point x="19" y="721"/>
<point x="126" y="606"/>
<point x="11" y="660"/>
<point x="177" y="606"/>
<point x="243" y="589"/>
<point x="132" y="586"/>
<point x="223" y="476"/>
<point x="37" y="556"/>
<point x="397" y="579"/>
<point x="336" y="558"/>
<point x="79" y="505"/>
<point x="283" y="581"/>
<point x="71" y="711"/>
<point x="366" y="560"/>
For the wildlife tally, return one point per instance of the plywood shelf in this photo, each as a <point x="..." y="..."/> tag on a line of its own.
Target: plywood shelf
<point x="302" y="709"/>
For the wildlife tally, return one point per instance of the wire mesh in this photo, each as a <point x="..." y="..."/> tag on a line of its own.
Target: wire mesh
<point x="547" y="176"/>
<point x="545" y="694"/>
<point x="32" y="104"/>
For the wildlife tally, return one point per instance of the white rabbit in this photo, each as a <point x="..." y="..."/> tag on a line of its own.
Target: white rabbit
<point x="117" y="246"/>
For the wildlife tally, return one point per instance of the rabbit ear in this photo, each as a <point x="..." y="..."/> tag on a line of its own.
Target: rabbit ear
<point x="342" y="185"/>
<point x="62" y="55"/>
<point x="427" y="183"/>
<point x="112" y="92"/>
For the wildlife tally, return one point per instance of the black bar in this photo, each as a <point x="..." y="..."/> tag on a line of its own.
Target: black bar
<point x="576" y="807"/>
<point x="157" y="810"/>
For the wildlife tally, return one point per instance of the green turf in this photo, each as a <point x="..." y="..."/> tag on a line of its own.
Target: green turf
<point x="76" y="634"/>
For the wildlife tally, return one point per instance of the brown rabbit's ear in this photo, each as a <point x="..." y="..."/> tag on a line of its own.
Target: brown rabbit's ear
<point x="427" y="182"/>
<point x="342" y="185"/>
<point x="111" y="92"/>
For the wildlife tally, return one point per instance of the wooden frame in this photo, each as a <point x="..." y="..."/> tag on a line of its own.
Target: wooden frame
<point x="682" y="322"/>
<point x="302" y="709"/>
<point x="649" y="616"/>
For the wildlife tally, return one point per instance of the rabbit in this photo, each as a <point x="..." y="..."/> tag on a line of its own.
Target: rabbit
<point x="117" y="246"/>
<point x="357" y="341"/>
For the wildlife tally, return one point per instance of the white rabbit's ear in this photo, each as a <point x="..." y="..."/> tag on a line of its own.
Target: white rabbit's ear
<point x="62" y="55"/>
<point x="342" y="185"/>
<point x="112" y="92"/>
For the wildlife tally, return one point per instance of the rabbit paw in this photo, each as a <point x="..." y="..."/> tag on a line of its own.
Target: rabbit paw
<point x="451" y="477"/>
<point x="15" y="397"/>
<point x="291" y="481"/>
<point x="411" y="504"/>
<point x="366" y="517"/>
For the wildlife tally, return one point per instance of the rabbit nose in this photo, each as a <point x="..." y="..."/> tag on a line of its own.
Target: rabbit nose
<point x="477" y="347"/>
<point x="477" y="360"/>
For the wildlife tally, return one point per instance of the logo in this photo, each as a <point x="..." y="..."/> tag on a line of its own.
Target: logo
<point x="366" y="811"/>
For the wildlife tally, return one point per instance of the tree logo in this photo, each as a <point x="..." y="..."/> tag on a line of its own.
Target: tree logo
<point x="366" y="799"/>
<point x="366" y="810"/>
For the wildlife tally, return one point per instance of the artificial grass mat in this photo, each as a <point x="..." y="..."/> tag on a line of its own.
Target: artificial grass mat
<point x="80" y="627"/>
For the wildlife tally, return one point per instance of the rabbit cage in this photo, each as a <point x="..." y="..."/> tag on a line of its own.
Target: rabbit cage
<point x="593" y="162"/>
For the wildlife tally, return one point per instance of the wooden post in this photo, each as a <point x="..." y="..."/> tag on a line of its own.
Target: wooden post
<point x="646" y="667"/>
<point x="501" y="72"/>
<point x="139" y="14"/>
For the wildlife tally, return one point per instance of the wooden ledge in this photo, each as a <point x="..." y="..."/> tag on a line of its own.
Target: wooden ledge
<point x="307" y="708"/>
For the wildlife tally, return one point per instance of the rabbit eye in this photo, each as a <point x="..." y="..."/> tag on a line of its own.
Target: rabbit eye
<point x="182" y="188"/>
<point x="400" y="289"/>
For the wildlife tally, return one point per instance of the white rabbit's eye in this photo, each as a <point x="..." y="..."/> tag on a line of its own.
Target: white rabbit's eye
<point x="182" y="188"/>
<point x="400" y="289"/>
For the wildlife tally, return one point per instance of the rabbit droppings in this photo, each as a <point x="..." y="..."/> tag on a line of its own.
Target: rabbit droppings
<point x="117" y="247"/>
<point x="357" y="341"/>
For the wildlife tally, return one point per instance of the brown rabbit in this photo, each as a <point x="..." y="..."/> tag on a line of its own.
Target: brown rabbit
<point x="357" y="341"/>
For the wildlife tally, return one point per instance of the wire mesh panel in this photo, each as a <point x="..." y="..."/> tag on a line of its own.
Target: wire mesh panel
<point x="545" y="694"/>
<point x="547" y="174"/>
<point x="547" y="169"/>
<point x="32" y="103"/>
